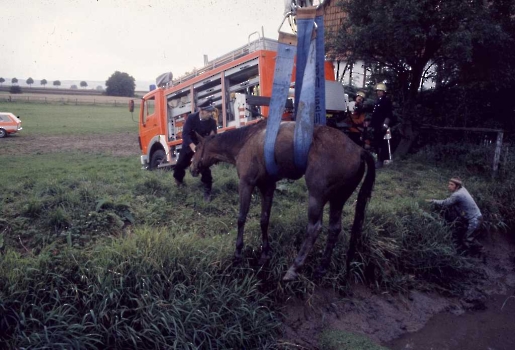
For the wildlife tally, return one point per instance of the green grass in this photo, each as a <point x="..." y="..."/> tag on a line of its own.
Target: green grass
<point x="96" y="253"/>
<point x="332" y="339"/>
<point x="97" y="229"/>
<point x="43" y="119"/>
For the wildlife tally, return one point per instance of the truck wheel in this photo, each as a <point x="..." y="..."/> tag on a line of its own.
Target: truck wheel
<point x="3" y="133"/>
<point x="157" y="158"/>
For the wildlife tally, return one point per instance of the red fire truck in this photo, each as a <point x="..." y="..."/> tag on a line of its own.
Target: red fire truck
<point x="239" y="84"/>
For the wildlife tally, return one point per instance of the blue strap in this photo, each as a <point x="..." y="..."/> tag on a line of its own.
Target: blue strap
<point x="309" y="106"/>
<point x="304" y="87"/>
<point x="305" y="26"/>
<point x="282" y="77"/>
<point x="320" y="114"/>
<point x="304" y="124"/>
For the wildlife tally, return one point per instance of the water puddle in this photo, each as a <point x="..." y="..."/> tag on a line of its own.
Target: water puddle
<point x="489" y="329"/>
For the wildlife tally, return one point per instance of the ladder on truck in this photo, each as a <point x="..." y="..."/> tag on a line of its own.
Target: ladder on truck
<point x="259" y="44"/>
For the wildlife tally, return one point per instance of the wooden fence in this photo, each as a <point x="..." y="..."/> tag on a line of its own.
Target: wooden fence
<point x="84" y="100"/>
<point x="487" y="141"/>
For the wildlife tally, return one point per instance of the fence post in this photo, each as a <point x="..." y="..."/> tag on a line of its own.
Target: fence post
<point x="497" y="156"/>
<point x="506" y="153"/>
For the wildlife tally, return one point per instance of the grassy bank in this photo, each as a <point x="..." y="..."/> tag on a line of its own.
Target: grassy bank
<point x="96" y="253"/>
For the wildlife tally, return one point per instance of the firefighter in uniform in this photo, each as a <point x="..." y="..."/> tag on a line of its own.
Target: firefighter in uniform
<point x="357" y="118"/>
<point x="382" y="116"/>
<point x="203" y="123"/>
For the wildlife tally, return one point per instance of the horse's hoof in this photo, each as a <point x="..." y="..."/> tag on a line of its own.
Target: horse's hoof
<point x="320" y="273"/>
<point x="236" y="261"/>
<point x="290" y="276"/>
<point x="263" y="260"/>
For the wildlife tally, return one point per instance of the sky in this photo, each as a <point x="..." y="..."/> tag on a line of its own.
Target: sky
<point x="91" y="39"/>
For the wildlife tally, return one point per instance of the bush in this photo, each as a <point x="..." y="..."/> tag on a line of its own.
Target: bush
<point x="15" y="89"/>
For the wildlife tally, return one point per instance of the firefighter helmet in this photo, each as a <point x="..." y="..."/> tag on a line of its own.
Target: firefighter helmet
<point x="361" y="93"/>
<point x="381" y="87"/>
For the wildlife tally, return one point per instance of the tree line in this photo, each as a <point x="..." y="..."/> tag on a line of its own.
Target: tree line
<point x="118" y="84"/>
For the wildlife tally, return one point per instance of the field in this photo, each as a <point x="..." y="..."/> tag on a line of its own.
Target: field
<point x="61" y="128"/>
<point x="97" y="253"/>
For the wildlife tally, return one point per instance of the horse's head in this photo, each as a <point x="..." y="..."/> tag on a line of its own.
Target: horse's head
<point x="201" y="159"/>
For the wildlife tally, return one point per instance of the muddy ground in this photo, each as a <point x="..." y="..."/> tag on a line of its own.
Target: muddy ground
<point x="484" y="319"/>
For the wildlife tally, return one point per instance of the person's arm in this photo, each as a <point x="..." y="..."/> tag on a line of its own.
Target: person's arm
<point x="186" y="132"/>
<point x="388" y="112"/>
<point x="446" y="202"/>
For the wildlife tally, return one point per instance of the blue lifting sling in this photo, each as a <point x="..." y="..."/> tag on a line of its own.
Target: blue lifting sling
<point x="309" y="87"/>
<point x="282" y="76"/>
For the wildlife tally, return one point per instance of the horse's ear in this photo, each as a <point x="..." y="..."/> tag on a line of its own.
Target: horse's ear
<point x="199" y="138"/>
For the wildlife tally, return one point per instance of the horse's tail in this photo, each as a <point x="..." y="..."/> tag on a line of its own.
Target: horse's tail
<point x="364" y="195"/>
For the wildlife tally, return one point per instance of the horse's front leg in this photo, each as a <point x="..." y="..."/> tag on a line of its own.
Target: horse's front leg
<point x="315" y="211"/>
<point x="245" y="191"/>
<point x="267" y="197"/>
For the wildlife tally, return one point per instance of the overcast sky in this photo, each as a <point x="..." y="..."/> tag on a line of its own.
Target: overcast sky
<point x="90" y="39"/>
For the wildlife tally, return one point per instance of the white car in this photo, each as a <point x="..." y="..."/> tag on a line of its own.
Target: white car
<point x="9" y="124"/>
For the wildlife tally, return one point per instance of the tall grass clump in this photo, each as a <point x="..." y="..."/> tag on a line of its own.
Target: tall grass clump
<point x="148" y="291"/>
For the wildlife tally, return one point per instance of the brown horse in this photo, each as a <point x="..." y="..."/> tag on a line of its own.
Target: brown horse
<point x="335" y="168"/>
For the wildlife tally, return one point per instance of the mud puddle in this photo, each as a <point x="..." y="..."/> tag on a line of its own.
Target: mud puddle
<point x="483" y="318"/>
<point x="489" y="329"/>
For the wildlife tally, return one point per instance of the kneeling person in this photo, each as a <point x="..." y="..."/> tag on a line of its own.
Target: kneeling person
<point x="464" y="204"/>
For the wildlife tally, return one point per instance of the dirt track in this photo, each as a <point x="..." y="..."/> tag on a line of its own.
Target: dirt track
<point x="120" y="144"/>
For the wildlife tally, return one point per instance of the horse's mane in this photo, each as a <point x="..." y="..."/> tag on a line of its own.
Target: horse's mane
<point x="232" y="140"/>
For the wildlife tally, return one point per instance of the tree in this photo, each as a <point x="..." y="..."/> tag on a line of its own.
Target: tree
<point x="83" y="84"/>
<point x="14" y="81"/>
<point x="406" y="38"/>
<point x="44" y="82"/>
<point x="120" y="84"/>
<point x="57" y="83"/>
<point x="30" y="81"/>
<point x="73" y="87"/>
<point x="2" y="80"/>
<point x="99" y="88"/>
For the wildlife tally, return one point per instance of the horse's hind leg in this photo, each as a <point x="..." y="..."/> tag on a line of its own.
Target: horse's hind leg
<point x="315" y="211"/>
<point x="267" y="196"/>
<point x="335" y="227"/>
<point x="245" y="191"/>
